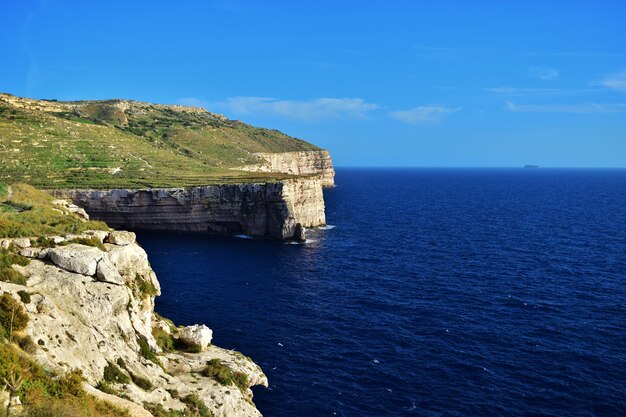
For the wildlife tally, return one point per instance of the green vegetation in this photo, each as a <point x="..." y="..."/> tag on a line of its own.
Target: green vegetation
<point x="224" y="375"/>
<point x="141" y="382"/>
<point x="146" y="352"/>
<point x="164" y="340"/>
<point x="87" y="241"/>
<point x="113" y="144"/>
<point x="13" y="317"/>
<point x="144" y="288"/>
<point x="44" y="394"/>
<point x="7" y="273"/>
<point x="24" y="296"/>
<point x="194" y="408"/>
<point x="38" y="217"/>
<point x="114" y="374"/>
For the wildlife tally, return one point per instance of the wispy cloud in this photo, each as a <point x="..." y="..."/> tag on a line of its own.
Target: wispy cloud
<point x="572" y="54"/>
<point x="544" y="73"/>
<point x="423" y="114"/>
<point x="587" y="108"/>
<point x="306" y="110"/>
<point x="616" y="82"/>
<point x="523" y="91"/>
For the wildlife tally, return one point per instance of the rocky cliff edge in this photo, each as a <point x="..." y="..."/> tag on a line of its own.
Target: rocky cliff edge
<point x="91" y="308"/>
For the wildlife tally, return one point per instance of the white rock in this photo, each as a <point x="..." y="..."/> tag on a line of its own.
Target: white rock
<point x="122" y="238"/>
<point x="100" y="234"/>
<point x="197" y="335"/>
<point x="22" y="242"/>
<point x="77" y="258"/>
<point x="31" y="252"/>
<point x="57" y="239"/>
<point x="107" y="272"/>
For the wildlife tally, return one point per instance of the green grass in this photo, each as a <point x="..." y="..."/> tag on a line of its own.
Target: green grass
<point x="44" y="394"/>
<point x="38" y="216"/>
<point x="224" y="375"/>
<point x="7" y="273"/>
<point x="98" y="145"/>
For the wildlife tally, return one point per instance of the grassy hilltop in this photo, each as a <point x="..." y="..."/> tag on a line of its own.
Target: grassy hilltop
<point x="128" y="144"/>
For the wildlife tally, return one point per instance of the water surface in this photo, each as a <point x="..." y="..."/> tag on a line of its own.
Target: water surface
<point x="438" y="293"/>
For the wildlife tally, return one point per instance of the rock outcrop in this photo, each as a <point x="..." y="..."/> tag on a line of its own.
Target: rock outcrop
<point x="271" y="209"/>
<point x="296" y="163"/>
<point x="80" y="322"/>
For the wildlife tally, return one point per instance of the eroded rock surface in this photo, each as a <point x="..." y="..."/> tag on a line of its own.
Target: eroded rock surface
<point x="81" y="321"/>
<point x="270" y="209"/>
<point x="296" y="163"/>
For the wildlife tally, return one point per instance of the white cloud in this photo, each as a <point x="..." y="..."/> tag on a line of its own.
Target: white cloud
<point x="423" y="114"/>
<point x="616" y="82"/>
<point x="544" y="73"/>
<point x="521" y="91"/>
<point x="316" y="109"/>
<point x="567" y="108"/>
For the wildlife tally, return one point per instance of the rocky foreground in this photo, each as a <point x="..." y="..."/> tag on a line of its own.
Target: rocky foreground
<point x="91" y="308"/>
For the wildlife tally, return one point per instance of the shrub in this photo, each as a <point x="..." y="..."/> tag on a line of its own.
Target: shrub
<point x="114" y="374"/>
<point x="141" y="382"/>
<point x="24" y="296"/>
<point x="224" y="375"/>
<point x="71" y="384"/>
<point x="44" y="395"/>
<point x="196" y="406"/>
<point x="146" y="351"/>
<point x="27" y="344"/>
<point x="7" y="273"/>
<point x="106" y="387"/>
<point x="12" y="315"/>
<point x="163" y="339"/>
<point x="144" y="288"/>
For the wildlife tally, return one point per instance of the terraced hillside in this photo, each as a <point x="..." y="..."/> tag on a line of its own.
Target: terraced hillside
<point x="128" y="144"/>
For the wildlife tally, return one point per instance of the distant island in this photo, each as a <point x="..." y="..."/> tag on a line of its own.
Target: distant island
<point x="531" y="166"/>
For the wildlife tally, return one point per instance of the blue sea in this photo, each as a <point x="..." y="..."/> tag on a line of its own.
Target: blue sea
<point x="436" y="292"/>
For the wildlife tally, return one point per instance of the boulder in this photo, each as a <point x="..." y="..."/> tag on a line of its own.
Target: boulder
<point x="107" y="272"/>
<point x="300" y="233"/>
<point x="77" y="258"/>
<point x="22" y="242"/>
<point x="122" y="238"/>
<point x="197" y="335"/>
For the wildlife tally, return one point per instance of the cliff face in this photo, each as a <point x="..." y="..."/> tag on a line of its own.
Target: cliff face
<point x="296" y="163"/>
<point x="91" y="309"/>
<point x="271" y="209"/>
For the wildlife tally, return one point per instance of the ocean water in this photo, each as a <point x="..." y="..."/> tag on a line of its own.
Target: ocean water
<point x="439" y="292"/>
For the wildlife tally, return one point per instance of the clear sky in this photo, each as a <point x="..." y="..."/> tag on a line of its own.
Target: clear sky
<point x="378" y="83"/>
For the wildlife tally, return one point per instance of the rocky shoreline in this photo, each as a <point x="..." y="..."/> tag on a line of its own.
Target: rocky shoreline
<point x="91" y="308"/>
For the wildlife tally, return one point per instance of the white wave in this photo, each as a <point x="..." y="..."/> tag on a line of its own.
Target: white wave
<point x="295" y="242"/>
<point x="327" y="227"/>
<point x="244" y="237"/>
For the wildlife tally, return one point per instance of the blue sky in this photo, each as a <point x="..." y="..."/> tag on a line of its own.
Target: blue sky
<point x="378" y="83"/>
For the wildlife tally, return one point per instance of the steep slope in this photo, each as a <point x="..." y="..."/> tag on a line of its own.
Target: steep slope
<point x="86" y="314"/>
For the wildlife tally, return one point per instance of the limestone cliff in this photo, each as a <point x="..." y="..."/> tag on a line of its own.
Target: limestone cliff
<point x="92" y="310"/>
<point x="271" y="209"/>
<point x="316" y="162"/>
